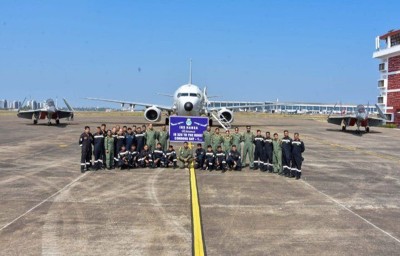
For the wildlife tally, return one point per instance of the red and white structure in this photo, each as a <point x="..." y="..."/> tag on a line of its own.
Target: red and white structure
<point x="388" y="52"/>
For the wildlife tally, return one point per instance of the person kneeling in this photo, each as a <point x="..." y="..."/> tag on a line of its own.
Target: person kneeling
<point x="158" y="156"/>
<point x="171" y="156"/>
<point x="123" y="158"/>
<point x="221" y="159"/>
<point x="234" y="159"/>
<point x="133" y="157"/>
<point x="145" y="158"/>
<point x="210" y="159"/>
<point x="185" y="156"/>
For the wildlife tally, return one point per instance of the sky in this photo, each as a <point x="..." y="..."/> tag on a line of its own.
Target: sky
<point x="306" y="51"/>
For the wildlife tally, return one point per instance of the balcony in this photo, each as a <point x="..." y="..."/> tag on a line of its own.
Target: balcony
<point x="387" y="52"/>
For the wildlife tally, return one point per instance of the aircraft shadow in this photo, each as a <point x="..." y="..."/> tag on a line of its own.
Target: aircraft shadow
<point x="353" y="132"/>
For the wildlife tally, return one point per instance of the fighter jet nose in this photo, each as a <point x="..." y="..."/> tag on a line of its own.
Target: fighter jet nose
<point x="188" y="106"/>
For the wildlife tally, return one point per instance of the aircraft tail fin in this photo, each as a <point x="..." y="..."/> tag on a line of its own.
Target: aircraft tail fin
<point x="68" y="106"/>
<point x="19" y="107"/>
<point x="381" y="114"/>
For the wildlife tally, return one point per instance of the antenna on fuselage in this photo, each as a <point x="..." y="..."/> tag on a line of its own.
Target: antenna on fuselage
<point x="190" y="72"/>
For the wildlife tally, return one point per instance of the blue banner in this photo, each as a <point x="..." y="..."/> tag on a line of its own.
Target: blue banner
<point x="187" y="128"/>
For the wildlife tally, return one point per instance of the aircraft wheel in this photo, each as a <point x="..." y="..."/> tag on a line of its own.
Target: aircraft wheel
<point x="34" y="121"/>
<point x="49" y="123"/>
<point x="57" y="121"/>
<point x="343" y="128"/>
<point x="367" y="129"/>
<point x="210" y="122"/>
<point x="167" y="121"/>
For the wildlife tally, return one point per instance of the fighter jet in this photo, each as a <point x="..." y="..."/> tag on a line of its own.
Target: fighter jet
<point x="188" y="100"/>
<point x="361" y="118"/>
<point x="49" y="111"/>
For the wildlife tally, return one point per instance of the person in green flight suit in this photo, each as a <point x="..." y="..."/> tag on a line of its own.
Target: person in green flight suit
<point x="277" y="154"/>
<point x="151" y="136"/>
<point x="162" y="137"/>
<point x="216" y="139"/>
<point x="207" y="137"/>
<point x="109" y="149"/>
<point x="237" y="140"/>
<point x="248" y="146"/>
<point x="227" y="141"/>
<point x="185" y="156"/>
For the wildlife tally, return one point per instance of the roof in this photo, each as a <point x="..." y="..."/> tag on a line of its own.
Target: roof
<point x="390" y="33"/>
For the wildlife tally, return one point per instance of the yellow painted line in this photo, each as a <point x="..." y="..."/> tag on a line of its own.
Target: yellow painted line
<point x="198" y="244"/>
<point x="63" y="145"/>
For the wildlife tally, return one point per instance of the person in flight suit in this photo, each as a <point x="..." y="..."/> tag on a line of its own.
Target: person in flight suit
<point x="85" y="141"/>
<point x="267" y="153"/>
<point x="237" y="140"/>
<point x="258" y="150"/>
<point x="286" y="153"/>
<point x="120" y="142"/>
<point x="140" y="139"/>
<point x="297" y="158"/>
<point x="248" y="138"/>
<point x="277" y="154"/>
<point x="162" y="137"/>
<point x="220" y="157"/>
<point x="98" y="141"/>
<point x="151" y="137"/>
<point x="185" y="156"/>
<point x="234" y="159"/>
<point x="158" y="156"/>
<point x="171" y="156"/>
<point x="216" y="139"/>
<point x="200" y="155"/>
<point x="210" y="159"/>
<point x="227" y="141"/>
<point x="207" y="136"/>
<point x="116" y="150"/>
<point x="109" y="149"/>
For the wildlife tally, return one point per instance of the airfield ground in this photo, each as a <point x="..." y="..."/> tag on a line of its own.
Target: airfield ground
<point x="347" y="203"/>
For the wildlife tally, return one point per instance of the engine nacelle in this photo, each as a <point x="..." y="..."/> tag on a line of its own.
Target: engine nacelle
<point x="152" y="114"/>
<point x="225" y="114"/>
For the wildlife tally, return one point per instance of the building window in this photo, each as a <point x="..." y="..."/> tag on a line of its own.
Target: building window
<point x="395" y="40"/>
<point x="381" y="83"/>
<point x="381" y="66"/>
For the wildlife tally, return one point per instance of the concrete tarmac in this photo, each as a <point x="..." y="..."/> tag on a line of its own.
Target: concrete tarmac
<point x="346" y="203"/>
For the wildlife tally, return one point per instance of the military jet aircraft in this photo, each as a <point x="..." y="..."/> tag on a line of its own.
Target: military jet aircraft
<point x="49" y="111"/>
<point x="361" y="118"/>
<point x="188" y="100"/>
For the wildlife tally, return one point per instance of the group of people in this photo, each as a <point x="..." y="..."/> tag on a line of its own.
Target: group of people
<point x="142" y="146"/>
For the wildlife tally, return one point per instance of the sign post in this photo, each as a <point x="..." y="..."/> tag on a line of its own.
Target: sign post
<point x="187" y="128"/>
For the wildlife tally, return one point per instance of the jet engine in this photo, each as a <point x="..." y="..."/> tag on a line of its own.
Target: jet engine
<point x="152" y="114"/>
<point x="225" y="115"/>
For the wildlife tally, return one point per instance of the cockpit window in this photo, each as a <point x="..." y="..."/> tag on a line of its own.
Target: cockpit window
<point x="193" y="95"/>
<point x="183" y="94"/>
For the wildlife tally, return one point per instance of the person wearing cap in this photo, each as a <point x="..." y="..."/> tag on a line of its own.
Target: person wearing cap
<point x="248" y="146"/>
<point x="227" y="141"/>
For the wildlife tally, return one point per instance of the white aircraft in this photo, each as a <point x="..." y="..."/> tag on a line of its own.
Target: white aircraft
<point x="49" y="111"/>
<point x="189" y="100"/>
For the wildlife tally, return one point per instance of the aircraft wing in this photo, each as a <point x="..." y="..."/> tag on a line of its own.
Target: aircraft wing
<point x="28" y="113"/>
<point x="133" y="103"/>
<point x="338" y="119"/>
<point x="373" y="121"/>
<point x="64" y="113"/>
<point x="237" y="107"/>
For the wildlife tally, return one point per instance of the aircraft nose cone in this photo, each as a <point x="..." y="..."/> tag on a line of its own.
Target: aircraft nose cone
<point x="188" y="106"/>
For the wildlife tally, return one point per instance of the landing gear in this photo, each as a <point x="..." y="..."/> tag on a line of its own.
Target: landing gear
<point x="343" y="127"/>
<point x="49" y="122"/>
<point x="166" y="121"/>
<point x="367" y="129"/>
<point x="34" y="121"/>
<point x="57" y="121"/>
<point x="210" y="122"/>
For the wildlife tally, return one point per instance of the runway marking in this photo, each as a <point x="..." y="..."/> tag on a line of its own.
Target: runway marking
<point x="352" y="212"/>
<point x="198" y="243"/>
<point x="42" y="202"/>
